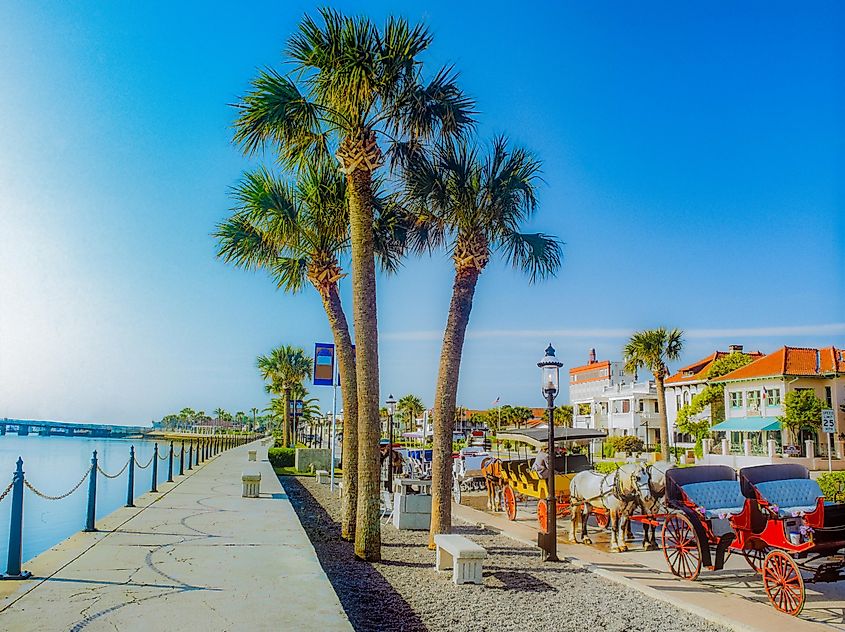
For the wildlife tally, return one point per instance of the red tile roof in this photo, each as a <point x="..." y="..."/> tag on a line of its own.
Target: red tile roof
<point x="589" y="367"/>
<point x="697" y="371"/>
<point x="798" y="361"/>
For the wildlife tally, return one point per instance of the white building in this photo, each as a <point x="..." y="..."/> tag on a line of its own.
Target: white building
<point x="586" y="387"/>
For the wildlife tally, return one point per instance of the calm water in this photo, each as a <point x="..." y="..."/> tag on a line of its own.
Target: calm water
<point x="55" y="464"/>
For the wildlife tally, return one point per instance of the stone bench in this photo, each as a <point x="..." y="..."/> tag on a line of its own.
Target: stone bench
<point x="323" y="477"/>
<point x="464" y="555"/>
<point x="252" y="483"/>
<point x="251" y="455"/>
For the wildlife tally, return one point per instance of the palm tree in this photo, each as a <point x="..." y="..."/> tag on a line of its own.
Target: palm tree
<point x="411" y="407"/>
<point x="654" y="349"/>
<point x="350" y="83"/>
<point x="284" y="367"/>
<point x="298" y="232"/>
<point x="254" y="412"/>
<point x="475" y="206"/>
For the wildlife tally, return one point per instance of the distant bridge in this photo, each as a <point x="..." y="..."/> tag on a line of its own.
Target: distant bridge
<point x="24" y="427"/>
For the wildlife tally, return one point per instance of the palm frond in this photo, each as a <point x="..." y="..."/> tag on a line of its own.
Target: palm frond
<point x="539" y="256"/>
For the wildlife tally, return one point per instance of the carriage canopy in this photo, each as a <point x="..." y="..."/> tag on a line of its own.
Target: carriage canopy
<point x="538" y="437"/>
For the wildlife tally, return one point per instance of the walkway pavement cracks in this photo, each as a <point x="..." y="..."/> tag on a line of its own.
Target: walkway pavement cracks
<point x="733" y="597"/>
<point x="194" y="556"/>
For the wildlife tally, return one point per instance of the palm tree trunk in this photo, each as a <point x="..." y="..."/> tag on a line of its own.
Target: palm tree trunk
<point x="286" y="419"/>
<point x="445" y="399"/>
<point x="349" y="392"/>
<point x="368" y="527"/>
<point x="664" y="422"/>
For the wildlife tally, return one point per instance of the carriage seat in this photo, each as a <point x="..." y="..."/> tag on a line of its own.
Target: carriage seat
<point x="716" y="497"/>
<point x="792" y="496"/>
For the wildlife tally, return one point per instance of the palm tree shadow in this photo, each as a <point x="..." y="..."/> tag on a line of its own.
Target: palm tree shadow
<point x="369" y="600"/>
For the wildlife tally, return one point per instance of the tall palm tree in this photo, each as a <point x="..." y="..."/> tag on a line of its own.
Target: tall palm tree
<point x="352" y="82"/>
<point x="411" y="407"/>
<point x="475" y="206"/>
<point x="254" y="412"/>
<point x="284" y="367"/>
<point x="654" y="349"/>
<point x="298" y="232"/>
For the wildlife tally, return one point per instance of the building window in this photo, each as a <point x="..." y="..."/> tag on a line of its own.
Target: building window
<point x="642" y="406"/>
<point x="827" y="397"/>
<point x="686" y="398"/>
<point x="736" y="399"/>
<point x="626" y="405"/>
<point x="678" y="401"/>
<point x="656" y="406"/>
<point x="754" y="400"/>
<point x="773" y="397"/>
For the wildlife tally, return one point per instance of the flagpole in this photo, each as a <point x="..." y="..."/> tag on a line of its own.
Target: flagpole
<point x="334" y="420"/>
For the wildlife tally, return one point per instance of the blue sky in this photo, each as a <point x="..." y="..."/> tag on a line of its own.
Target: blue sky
<point x="693" y="166"/>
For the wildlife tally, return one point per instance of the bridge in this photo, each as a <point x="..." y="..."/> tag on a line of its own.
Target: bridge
<point x="23" y="427"/>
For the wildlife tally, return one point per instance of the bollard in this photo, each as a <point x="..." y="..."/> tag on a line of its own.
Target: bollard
<point x="13" y="566"/>
<point x="190" y="454"/>
<point x="170" y="464"/>
<point x="155" y="468"/>
<point x="199" y="451"/>
<point x="130" y="488"/>
<point x="92" y="495"/>
<point x="182" y="460"/>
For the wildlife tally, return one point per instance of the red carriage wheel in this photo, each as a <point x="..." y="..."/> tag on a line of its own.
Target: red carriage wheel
<point x="543" y="515"/>
<point x="510" y="502"/>
<point x="602" y="520"/>
<point x="755" y="557"/>
<point x="681" y="547"/>
<point x="783" y="582"/>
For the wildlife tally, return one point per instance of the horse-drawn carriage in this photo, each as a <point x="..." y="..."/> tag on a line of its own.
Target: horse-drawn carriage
<point x="775" y="516"/>
<point x="511" y="481"/>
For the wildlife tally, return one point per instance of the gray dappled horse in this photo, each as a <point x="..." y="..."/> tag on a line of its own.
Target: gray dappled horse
<point x="650" y="500"/>
<point x="617" y="493"/>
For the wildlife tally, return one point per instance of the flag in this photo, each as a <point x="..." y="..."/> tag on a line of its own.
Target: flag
<point x="496" y="401"/>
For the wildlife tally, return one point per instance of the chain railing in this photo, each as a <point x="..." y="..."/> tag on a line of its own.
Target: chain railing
<point x="107" y="475"/>
<point x="41" y="494"/>
<point x="19" y="483"/>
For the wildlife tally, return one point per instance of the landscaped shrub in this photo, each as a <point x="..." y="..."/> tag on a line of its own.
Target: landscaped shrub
<point x="281" y="457"/>
<point x="606" y="467"/>
<point x="628" y="444"/>
<point x="833" y="486"/>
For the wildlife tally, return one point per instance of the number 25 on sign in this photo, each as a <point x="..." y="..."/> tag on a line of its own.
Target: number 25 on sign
<point x="829" y="426"/>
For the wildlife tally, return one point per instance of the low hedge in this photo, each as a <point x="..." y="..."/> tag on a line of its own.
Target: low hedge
<point x="606" y="467"/>
<point x="833" y="485"/>
<point x="281" y="457"/>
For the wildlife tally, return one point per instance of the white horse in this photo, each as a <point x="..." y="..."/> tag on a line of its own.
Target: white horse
<point x="650" y="500"/>
<point x="617" y="493"/>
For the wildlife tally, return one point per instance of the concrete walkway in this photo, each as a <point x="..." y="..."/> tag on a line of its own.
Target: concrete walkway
<point x="196" y="556"/>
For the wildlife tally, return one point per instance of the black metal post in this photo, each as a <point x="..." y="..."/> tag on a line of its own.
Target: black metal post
<point x="92" y="495"/>
<point x="170" y="464"/>
<point x="130" y="490"/>
<point x="551" y="500"/>
<point x="182" y="459"/>
<point x="13" y="562"/>
<point x="190" y="453"/>
<point x="155" y="468"/>
<point x="390" y="455"/>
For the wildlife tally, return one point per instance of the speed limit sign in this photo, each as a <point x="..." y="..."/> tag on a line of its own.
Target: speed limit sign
<point x="828" y="421"/>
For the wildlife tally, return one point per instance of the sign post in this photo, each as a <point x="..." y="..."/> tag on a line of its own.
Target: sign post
<point x="325" y="374"/>
<point x="829" y="426"/>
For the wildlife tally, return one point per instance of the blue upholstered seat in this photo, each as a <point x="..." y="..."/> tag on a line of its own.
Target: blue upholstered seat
<point x="792" y="496"/>
<point x="717" y="498"/>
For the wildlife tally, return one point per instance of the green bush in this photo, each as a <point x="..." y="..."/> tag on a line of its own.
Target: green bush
<point x="281" y="457"/>
<point x="606" y="467"/>
<point x="628" y="444"/>
<point x="833" y="486"/>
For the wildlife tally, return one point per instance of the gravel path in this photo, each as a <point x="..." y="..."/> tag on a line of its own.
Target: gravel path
<point x="405" y="593"/>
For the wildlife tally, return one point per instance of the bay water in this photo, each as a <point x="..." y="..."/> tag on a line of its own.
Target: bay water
<point x="53" y="465"/>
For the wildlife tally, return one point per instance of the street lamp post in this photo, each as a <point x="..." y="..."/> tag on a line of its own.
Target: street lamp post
<point x="550" y="372"/>
<point x="391" y="408"/>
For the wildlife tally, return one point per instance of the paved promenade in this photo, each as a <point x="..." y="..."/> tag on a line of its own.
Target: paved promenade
<point x="196" y="556"/>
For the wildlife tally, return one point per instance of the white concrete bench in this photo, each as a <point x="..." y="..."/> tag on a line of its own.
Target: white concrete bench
<point x="323" y="477"/>
<point x="464" y="555"/>
<point x="251" y="454"/>
<point x="252" y="483"/>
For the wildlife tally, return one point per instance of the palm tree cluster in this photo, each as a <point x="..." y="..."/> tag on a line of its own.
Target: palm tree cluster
<point x="376" y="159"/>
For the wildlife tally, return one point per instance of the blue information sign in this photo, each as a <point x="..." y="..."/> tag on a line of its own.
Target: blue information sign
<point x="323" y="364"/>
